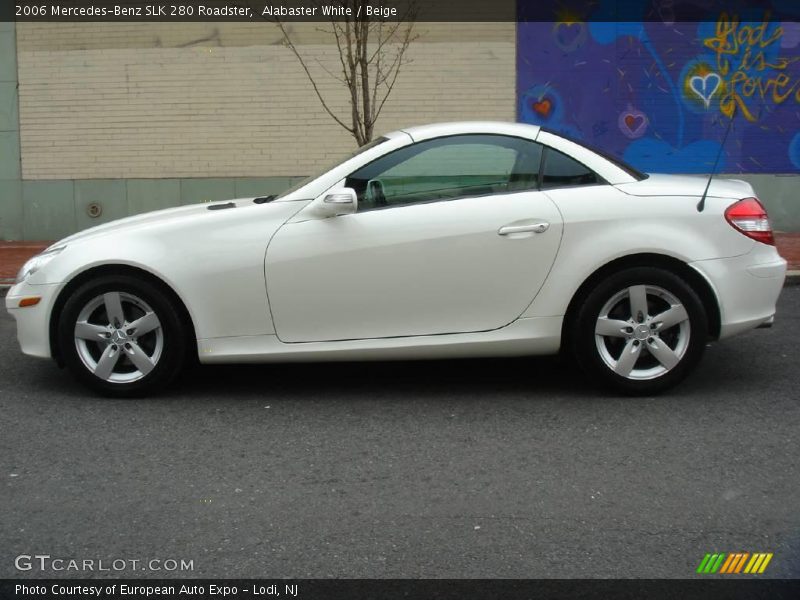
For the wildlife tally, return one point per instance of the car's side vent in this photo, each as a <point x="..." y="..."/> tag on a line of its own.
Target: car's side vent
<point x="222" y="206"/>
<point x="264" y="199"/>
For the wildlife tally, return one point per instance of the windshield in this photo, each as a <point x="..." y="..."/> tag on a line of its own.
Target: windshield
<point x="353" y="154"/>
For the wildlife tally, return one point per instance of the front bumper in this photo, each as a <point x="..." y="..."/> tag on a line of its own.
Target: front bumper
<point x="33" y="322"/>
<point x="747" y="287"/>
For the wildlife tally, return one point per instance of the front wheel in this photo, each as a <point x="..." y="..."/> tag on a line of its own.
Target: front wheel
<point x="122" y="336"/>
<point x="641" y="331"/>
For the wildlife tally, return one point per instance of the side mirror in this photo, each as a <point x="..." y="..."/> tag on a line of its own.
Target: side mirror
<point x="343" y="201"/>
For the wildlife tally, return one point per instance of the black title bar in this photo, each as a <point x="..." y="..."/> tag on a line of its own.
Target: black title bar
<point x="733" y="588"/>
<point x="392" y="10"/>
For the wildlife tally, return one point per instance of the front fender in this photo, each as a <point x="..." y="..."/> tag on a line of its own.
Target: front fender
<point x="214" y="265"/>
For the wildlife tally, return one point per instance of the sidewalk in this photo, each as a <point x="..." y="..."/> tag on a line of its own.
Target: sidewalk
<point x="14" y="254"/>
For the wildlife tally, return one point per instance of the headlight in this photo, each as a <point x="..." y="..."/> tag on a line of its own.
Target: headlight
<point x="37" y="262"/>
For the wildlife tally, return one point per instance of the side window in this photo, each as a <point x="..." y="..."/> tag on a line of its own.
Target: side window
<point x="560" y="170"/>
<point x="447" y="168"/>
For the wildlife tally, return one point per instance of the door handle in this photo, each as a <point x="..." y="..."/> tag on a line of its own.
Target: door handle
<point x="540" y="227"/>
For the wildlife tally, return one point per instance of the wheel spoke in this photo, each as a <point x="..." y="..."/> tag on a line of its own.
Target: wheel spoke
<point x="638" y="298"/>
<point x="139" y="358"/>
<point x="145" y="324"/>
<point x="674" y="315"/>
<point x="108" y="360"/>
<point x="89" y="331"/>
<point x="627" y="360"/>
<point x="663" y="353"/>
<point x="113" y="304"/>
<point x="611" y="327"/>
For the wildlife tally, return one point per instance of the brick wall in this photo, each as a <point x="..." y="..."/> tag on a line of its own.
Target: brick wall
<point x="227" y="100"/>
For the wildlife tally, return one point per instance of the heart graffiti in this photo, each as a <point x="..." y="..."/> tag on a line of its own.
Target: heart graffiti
<point x="541" y="104"/>
<point x="705" y="86"/>
<point x="543" y="107"/>
<point x="570" y="36"/>
<point x="633" y="123"/>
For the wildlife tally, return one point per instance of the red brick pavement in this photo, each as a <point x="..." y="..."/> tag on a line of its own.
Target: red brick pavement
<point x="789" y="247"/>
<point x="14" y="254"/>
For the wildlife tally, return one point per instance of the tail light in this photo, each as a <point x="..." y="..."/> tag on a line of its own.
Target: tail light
<point x="750" y="218"/>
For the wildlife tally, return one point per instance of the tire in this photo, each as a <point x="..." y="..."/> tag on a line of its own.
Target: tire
<point x="640" y="331"/>
<point x="122" y="336"/>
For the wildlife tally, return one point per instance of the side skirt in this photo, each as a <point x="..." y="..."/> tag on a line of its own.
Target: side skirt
<point x="536" y="335"/>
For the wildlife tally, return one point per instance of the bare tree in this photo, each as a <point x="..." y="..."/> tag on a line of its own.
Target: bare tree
<point x="372" y="52"/>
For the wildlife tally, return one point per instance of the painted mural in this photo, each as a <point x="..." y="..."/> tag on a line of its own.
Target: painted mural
<point x="661" y="93"/>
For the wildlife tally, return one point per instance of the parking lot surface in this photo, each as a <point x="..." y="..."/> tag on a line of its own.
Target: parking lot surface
<point x="479" y="468"/>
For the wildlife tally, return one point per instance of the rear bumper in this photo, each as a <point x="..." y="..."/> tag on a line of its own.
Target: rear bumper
<point x="33" y="322"/>
<point x="747" y="287"/>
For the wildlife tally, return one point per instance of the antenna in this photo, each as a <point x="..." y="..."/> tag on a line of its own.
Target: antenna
<point x="702" y="204"/>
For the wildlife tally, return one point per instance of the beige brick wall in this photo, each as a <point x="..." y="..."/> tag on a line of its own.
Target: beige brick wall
<point x="94" y="36"/>
<point x="226" y="100"/>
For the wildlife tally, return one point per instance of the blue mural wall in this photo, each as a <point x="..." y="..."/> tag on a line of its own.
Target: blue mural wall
<point x="660" y="93"/>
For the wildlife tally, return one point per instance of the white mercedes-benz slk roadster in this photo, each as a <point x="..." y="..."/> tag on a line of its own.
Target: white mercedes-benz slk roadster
<point x="439" y="241"/>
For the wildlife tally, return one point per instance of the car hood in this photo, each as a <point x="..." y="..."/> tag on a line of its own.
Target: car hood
<point x="179" y="217"/>
<point x="657" y="184"/>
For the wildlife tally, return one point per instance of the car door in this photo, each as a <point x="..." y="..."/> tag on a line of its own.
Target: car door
<point x="451" y="235"/>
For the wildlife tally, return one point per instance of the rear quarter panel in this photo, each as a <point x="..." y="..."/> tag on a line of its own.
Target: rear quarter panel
<point x="602" y="224"/>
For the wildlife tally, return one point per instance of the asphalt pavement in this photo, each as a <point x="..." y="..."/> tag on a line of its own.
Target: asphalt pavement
<point x="476" y="468"/>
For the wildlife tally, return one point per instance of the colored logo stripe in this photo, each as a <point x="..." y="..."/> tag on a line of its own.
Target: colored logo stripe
<point x="710" y="563"/>
<point x="734" y="562"/>
<point x="726" y="566"/>
<point x="758" y="563"/>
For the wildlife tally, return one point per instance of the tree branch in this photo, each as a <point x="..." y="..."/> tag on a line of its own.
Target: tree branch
<point x="292" y="47"/>
<point x="368" y="73"/>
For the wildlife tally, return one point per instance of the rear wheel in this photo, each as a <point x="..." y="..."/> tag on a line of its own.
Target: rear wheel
<point x="122" y="336"/>
<point x="641" y="331"/>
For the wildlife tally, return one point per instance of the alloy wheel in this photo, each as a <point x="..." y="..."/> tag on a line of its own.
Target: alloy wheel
<point x="642" y="332"/>
<point x="118" y="337"/>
